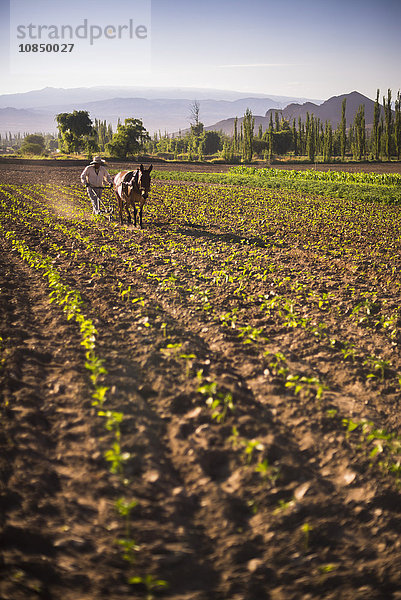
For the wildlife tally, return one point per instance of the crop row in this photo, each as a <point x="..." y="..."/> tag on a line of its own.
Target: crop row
<point x="296" y="289"/>
<point x="310" y="174"/>
<point x="242" y="279"/>
<point x="71" y="302"/>
<point x="366" y="191"/>
<point x="366" y="310"/>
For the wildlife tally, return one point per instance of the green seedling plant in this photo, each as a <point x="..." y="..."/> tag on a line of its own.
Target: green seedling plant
<point x="306" y="529"/>
<point x="151" y="584"/>
<point x="117" y="458"/>
<point x="278" y="366"/>
<point x="250" y="447"/>
<point x="188" y="358"/>
<point x="229" y="318"/>
<point x="124" y="508"/>
<point x="348" y="351"/>
<point x="251" y="335"/>
<point x="379" y="367"/>
<point x="305" y="385"/>
<point x="284" y="505"/>
<point x="377" y="442"/>
<point x="267" y="471"/>
<point x="171" y="350"/>
<point x="219" y="403"/>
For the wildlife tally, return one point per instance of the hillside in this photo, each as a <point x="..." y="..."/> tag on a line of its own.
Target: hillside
<point x="165" y="109"/>
<point x="26" y="121"/>
<point x="329" y="110"/>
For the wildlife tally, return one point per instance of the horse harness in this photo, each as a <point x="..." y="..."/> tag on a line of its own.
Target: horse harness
<point x="130" y="180"/>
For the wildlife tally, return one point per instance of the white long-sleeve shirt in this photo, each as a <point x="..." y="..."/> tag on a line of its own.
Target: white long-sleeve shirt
<point x="94" y="179"/>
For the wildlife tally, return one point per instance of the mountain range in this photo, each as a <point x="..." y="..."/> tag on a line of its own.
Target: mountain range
<point x="330" y="110"/>
<point x="164" y="109"/>
<point x="167" y="109"/>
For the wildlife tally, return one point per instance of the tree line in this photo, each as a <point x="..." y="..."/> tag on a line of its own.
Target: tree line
<point x="310" y="138"/>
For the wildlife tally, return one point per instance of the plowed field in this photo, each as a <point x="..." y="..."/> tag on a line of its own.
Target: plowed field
<point x="205" y="409"/>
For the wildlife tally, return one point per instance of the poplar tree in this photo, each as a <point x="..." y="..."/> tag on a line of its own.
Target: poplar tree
<point x="343" y="129"/>
<point x="397" y="126"/>
<point x="249" y="123"/>
<point x="328" y="142"/>
<point x="310" y="137"/>
<point x="359" y="139"/>
<point x="301" y="137"/>
<point x="235" y="142"/>
<point x="271" y="138"/>
<point x="388" y="128"/>
<point x="375" y="130"/>
<point x="294" y="138"/>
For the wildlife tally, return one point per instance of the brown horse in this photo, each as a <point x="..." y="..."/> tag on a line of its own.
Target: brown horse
<point x="131" y="187"/>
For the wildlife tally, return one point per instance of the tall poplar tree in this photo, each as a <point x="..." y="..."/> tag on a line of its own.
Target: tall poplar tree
<point x="235" y="141"/>
<point x="375" y="130"/>
<point x="343" y="129"/>
<point x="294" y="138"/>
<point x="397" y="126"/>
<point x="310" y="137"/>
<point x="388" y="128"/>
<point x="249" y="123"/>
<point x="359" y="141"/>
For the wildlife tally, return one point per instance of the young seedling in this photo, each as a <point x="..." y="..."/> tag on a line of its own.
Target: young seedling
<point x="348" y="351"/>
<point x="377" y="364"/>
<point x="306" y="529"/>
<point x="116" y="458"/>
<point x="151" y="584"/>
<point x="171" y="350"/>
<point x="266" y="470"/>
<point x="251" y="334"/>
<point x="189" y="358"/>
<point x="129" y="548"/>
<point x="218" y="402"/>
<point x="307" y="385"/>
<point x="250" y="447"/>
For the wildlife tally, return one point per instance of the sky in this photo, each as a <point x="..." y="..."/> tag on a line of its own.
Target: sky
<point x="301" y="48"/>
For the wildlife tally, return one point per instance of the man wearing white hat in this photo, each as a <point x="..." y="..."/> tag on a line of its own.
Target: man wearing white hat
<point x="93" y="177"/>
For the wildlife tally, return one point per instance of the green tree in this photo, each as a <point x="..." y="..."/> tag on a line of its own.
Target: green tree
<point x="129" y="139"/>
<point x="248" y="123"/>
<point x="397" y="126"/>
<point x="388" y="128"/>
<point x="343" y="129"/>
<point x="196" y="125"/>
<point x="375" y="130"/>
<point x="294" y="138"/>
<point x="270" y="138"/>
<point x="74" y="128"/>
<point x="310" y="137"/>
<point x="33" y="144"/>
<point x="211" y="142"/>
<point x="328" y="142"/>
<point x="359" y="141"/>
<point x="235" y="141"/>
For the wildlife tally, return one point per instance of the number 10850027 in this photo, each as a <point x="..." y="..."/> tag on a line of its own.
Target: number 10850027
<point x="45" y="47"/>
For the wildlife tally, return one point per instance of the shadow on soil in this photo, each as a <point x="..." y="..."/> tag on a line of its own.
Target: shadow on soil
<point x="196" y="231"/>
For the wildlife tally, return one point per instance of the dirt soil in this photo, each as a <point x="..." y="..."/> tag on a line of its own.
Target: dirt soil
<point x="274" y="501"/>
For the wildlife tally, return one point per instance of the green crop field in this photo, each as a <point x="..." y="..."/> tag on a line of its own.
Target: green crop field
<point x="208" y="407"/>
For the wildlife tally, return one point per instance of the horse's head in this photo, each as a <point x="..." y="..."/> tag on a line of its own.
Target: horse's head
<point x="144" y="180"/>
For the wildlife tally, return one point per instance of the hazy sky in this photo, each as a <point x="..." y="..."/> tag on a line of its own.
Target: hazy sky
<point x="308" y="48"/>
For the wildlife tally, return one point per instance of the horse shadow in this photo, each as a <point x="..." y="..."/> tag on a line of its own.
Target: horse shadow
<point x="197" y="231"/>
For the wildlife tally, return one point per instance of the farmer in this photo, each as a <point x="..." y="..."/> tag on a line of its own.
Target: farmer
<point x="93" y="177"/>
